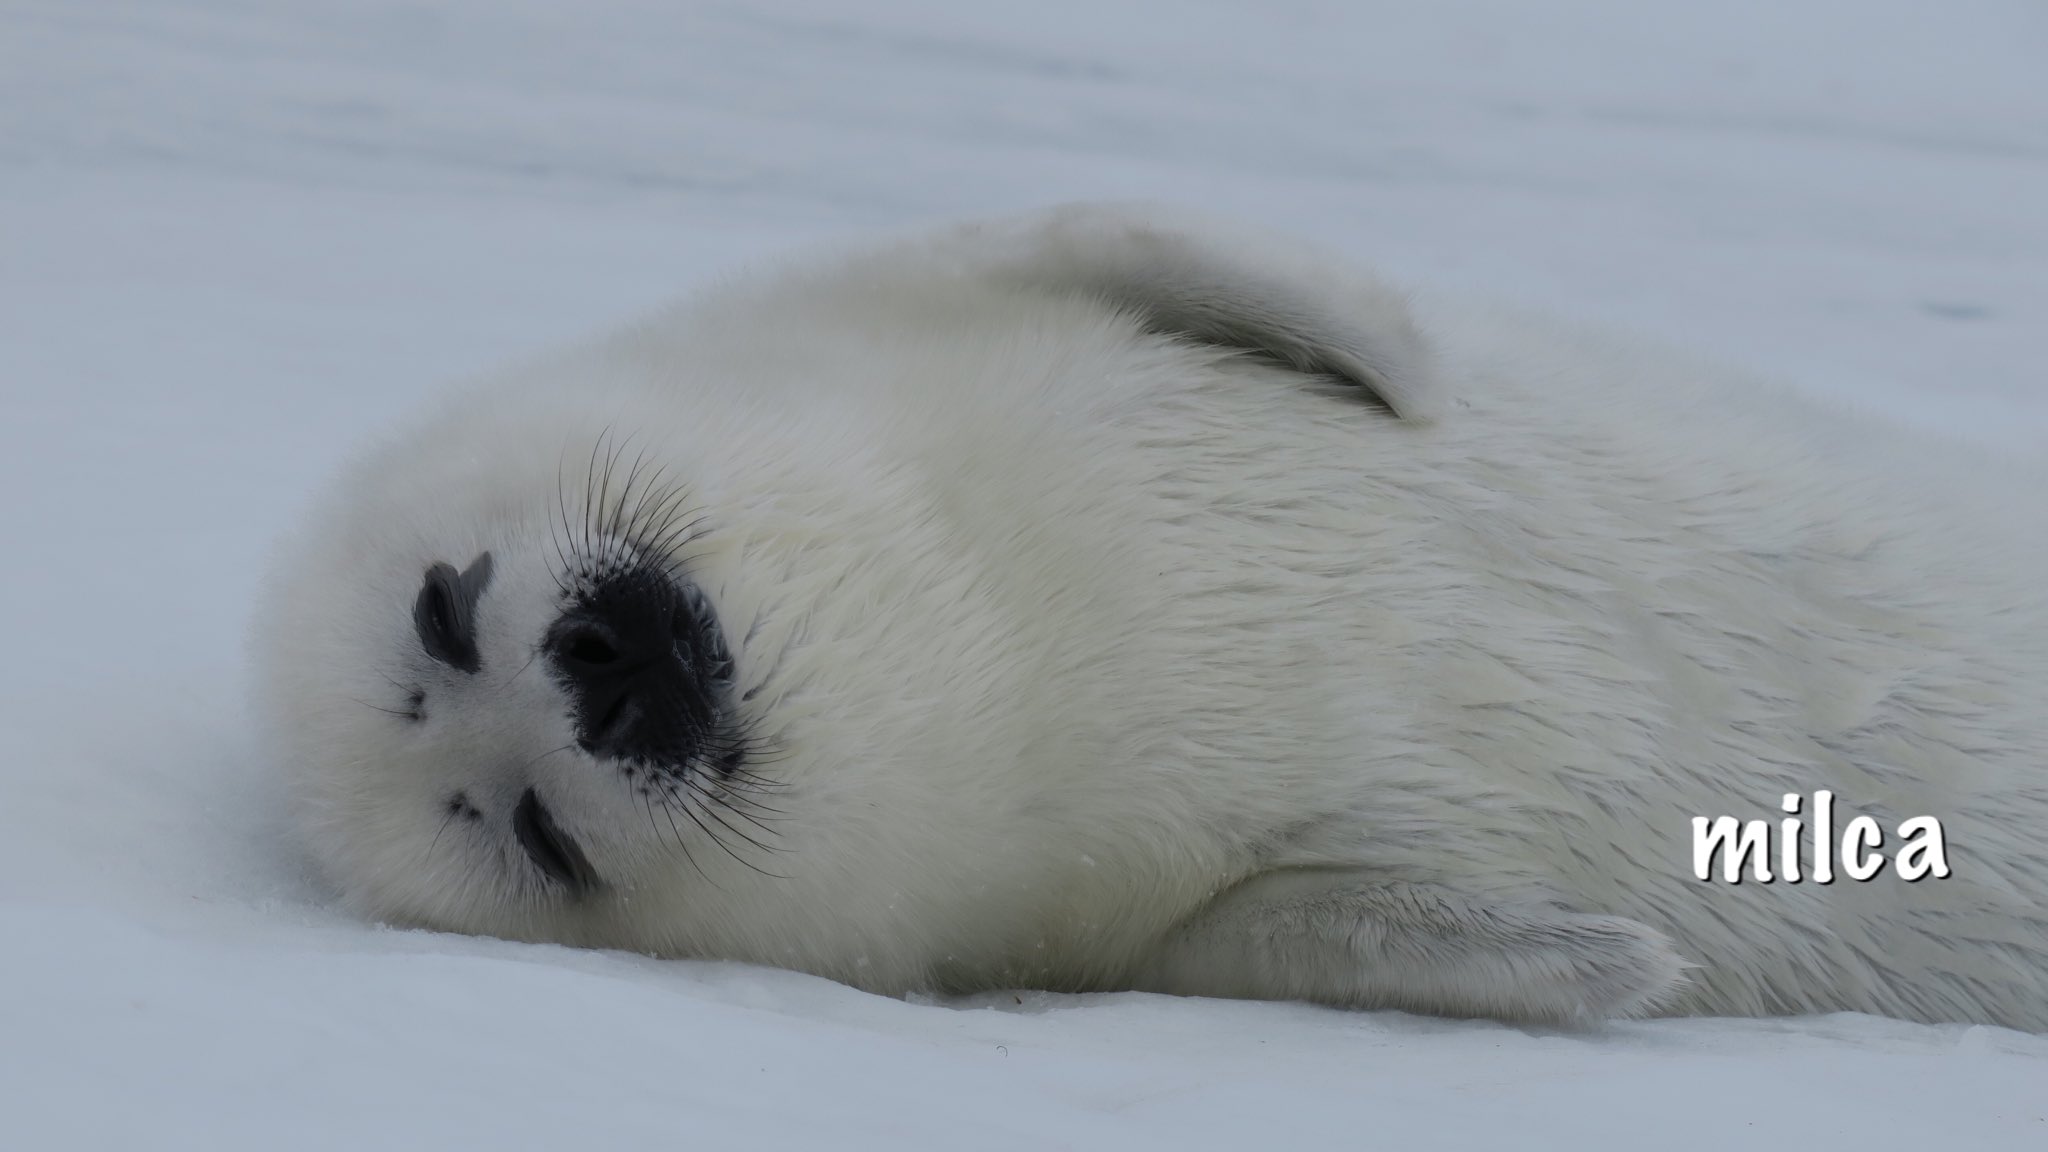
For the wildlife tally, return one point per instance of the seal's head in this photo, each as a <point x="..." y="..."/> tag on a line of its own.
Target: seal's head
<point x="638" y="657"/>
<point x="817" y="623"/>
<point x="705" y="686"/>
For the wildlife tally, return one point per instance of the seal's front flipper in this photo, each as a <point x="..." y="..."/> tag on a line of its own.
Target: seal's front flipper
<point x="1338" y="938"/>
<point x="1197" y="278"/>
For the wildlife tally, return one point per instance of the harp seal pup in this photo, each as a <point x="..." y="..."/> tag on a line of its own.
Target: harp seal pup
<point x="1108" y="599"/>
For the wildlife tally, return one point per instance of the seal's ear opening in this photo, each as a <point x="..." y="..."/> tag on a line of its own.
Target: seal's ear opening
<point x="1195" y="278"/>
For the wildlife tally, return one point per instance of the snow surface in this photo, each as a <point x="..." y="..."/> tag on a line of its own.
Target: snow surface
<point x="238" y="238"/>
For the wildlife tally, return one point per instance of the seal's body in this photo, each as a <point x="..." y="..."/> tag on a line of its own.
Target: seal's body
<point x="1100" y="601"/>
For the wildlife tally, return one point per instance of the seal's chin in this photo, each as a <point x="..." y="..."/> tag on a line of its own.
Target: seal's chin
<point x="553" y="851"/>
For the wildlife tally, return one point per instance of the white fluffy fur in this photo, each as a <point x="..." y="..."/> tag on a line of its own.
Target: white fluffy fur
<point x="1130" y="604"/>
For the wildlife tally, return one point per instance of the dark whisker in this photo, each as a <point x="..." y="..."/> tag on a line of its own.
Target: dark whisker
<point x="746" y="807"/>
<point x="691" y="813"/>
<point x="447" y="818"/>
<point x="677" y="832"/>
<point x="692" y="789"/>
<point x="561" y="542"/>
<point x="509" y="680"/>
<point x="545" y="755"/>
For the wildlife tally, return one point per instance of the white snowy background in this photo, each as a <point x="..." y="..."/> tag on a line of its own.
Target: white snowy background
<point x="238" y="238"/>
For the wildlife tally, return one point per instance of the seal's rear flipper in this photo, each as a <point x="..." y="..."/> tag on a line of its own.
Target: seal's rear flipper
<point x="1198" y="279"/>
<point x="1333" y="938"/>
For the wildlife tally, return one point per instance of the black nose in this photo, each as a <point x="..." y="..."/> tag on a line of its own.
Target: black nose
<point x="641" y="661"/>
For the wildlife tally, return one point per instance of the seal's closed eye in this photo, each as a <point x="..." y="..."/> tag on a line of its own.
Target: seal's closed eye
<point x="445" y="613"/>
